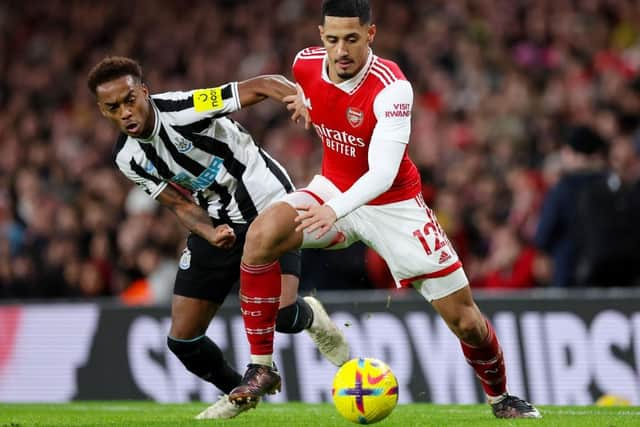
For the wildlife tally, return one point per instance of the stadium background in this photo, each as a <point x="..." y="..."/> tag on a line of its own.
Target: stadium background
<point x="498" y="86"/>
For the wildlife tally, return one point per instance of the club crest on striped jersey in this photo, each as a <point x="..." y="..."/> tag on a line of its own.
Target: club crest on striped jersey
<point x="354" y="116"/>
<point x="183" y="145"/>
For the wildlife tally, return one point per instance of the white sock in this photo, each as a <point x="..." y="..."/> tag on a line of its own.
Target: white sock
<point x="262" y="359"/>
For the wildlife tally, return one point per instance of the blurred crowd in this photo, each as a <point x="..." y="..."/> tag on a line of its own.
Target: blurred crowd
<point x="526" y="131"/>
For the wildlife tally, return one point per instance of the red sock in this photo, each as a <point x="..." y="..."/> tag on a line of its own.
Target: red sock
<point x="488" y="362"/>
<point x="259" y="302"/>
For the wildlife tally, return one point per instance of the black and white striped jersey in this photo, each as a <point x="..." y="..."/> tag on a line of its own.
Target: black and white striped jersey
<point x="195" y="146"/>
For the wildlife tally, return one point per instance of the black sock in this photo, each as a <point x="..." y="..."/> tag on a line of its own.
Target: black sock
<point x="204" y="358"/>
<point x="294" y="318"/>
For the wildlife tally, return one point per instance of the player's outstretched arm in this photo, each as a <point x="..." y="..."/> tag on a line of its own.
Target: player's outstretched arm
<point x="194" y="218"/>
<point x="256" y="89"/>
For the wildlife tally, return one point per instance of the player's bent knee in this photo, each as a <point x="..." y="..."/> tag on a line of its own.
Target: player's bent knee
<point x="271" y="234"/>
<point x="261" y="237"/>
<point x="467" y="325"/>
<point x="469" y="331"/>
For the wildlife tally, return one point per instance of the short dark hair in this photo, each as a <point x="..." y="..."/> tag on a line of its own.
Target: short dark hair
<point x="347" y="9"/>
<point x="584" y="139"/>
<point x="111" y="68"/>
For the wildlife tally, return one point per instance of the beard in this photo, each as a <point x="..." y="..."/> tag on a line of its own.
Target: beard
<point x="346" y="75"/>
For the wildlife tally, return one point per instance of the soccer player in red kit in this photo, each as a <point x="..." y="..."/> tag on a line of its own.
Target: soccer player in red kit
<point x="369" y="191"/>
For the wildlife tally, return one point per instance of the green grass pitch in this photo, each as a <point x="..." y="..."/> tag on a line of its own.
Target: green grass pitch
<point x="129" y="413"/>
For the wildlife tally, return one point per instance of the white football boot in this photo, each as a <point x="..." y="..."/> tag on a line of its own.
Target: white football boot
<point x="224" y="409"/>
<point x="326" y="335"/>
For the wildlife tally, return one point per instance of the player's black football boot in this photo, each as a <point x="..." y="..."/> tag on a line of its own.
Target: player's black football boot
<point x="514" y="407"/>
<point x="257" y="381"/>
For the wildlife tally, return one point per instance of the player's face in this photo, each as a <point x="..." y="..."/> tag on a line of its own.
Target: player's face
<point x="125" y="101"/>
<point x="347" y="43"/>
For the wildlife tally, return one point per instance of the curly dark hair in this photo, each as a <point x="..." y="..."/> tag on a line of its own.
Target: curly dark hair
<point x="111" y="68"/>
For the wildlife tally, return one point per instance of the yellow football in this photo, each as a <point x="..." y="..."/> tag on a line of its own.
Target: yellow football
<point x="365" y="390"/>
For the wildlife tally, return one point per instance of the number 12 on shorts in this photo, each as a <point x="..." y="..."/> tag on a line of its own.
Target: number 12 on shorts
<point x="431" y="227"/>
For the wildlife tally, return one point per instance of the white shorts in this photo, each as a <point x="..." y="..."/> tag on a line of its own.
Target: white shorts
<point x="406" y="234"/>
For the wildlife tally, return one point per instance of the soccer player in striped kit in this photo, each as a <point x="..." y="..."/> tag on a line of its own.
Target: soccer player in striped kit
<point x="185" y="140"/>
<point x="368" y="190"/>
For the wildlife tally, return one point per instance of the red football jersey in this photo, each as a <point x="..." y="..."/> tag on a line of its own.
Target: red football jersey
<point x="345" y="122"/>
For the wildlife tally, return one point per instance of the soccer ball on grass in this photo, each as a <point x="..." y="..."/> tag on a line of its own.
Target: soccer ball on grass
<point x="365" y="390"/>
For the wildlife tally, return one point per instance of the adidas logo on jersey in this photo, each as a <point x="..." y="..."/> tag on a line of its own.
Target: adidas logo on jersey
<point x="444" y="257"/>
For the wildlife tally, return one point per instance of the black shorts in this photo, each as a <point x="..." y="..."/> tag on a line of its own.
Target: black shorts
<point x="209" y="273"/>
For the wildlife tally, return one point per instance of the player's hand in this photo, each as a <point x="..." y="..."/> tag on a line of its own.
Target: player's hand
<point x="295" y="104"/>
<point x="224" y="237"/>
<point x="314" y="218"/>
